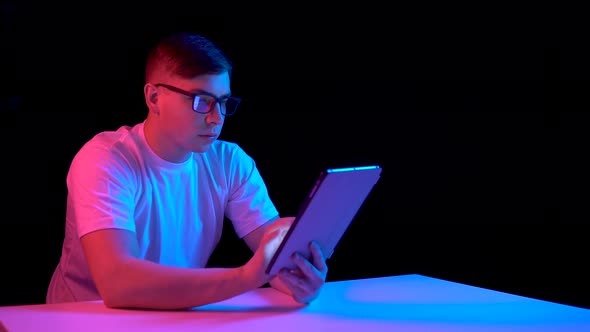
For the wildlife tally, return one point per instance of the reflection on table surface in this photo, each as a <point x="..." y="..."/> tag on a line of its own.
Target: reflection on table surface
<point x="398" y="303"/>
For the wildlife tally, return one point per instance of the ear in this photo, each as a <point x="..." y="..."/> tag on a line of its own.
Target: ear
<point x="151" y="97"/>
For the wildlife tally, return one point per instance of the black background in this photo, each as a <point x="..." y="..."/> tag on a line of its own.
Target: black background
<point x="478" y="117"/>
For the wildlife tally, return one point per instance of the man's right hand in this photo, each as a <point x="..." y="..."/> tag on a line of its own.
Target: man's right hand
<point x="255" y="268"/>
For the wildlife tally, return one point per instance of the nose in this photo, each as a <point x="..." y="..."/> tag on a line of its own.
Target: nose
<point x="215" y="116"/>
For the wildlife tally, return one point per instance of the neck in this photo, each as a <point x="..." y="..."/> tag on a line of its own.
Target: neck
<point x="160" y="145"/>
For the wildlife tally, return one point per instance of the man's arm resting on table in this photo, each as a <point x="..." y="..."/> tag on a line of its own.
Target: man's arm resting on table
<point x="124" y="280"/>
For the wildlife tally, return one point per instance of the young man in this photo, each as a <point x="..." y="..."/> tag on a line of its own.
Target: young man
<point x="146" y="203"/>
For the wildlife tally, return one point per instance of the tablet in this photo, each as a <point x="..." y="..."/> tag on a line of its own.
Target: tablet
<point x="326" y="213"/>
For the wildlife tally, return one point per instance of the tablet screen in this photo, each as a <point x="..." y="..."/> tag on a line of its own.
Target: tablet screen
<point x="326" y="213"/>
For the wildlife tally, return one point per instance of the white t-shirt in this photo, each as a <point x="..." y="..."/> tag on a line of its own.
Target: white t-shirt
<point x="176" y="210"/>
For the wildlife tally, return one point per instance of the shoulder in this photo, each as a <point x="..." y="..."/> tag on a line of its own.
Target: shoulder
<point x="108" y="150"/>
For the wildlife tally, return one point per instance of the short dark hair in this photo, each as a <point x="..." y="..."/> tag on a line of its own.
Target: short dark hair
<point x="187" y="55"/>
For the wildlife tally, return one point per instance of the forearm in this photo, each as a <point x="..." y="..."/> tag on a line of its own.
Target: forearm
<point x="143" y="284"/>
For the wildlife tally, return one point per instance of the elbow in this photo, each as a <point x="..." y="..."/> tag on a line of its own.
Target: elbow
<point x="113" y="297"/>
<point x="115" y="289"/>
<point x="114" y="300"/>
<point x="117" y="297"/>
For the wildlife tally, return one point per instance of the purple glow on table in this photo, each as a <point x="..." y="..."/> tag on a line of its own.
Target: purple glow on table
<point x="400" y="303"/>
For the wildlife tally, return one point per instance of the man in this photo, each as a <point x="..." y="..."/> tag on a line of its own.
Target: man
<point x="146" y="203"/>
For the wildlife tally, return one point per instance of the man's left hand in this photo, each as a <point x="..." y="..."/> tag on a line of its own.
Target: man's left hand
<point x="305" y="281"/>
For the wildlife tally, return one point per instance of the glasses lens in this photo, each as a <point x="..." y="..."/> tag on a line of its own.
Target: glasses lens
<point x="204" y="104"/>
<point x="201" y="104"/>
<point x="231" y="105"/>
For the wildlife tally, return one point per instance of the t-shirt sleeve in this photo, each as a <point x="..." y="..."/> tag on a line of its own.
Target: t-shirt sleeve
<point x="100" y="190"/>
<point x="249" y="205"/>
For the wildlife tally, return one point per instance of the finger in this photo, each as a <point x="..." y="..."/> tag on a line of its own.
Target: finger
<point x="319" y="260"/>
<point x="306" y="267"/>
<point x="311" y="275"/>
<point x="301" y="290"/>
<point x="295" y="282"/>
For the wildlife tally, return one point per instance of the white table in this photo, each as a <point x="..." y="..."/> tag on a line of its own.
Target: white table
<point x="397" y="303"/>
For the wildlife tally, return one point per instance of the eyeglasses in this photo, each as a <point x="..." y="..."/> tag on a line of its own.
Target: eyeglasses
<point x="203" y="101"/>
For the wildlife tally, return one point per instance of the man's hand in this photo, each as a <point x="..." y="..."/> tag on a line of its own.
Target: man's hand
<point x="305" y="281"/>
<point x="255" y="268"/>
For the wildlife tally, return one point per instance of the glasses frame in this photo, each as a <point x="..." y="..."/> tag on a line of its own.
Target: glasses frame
<point x="219" y="101"/>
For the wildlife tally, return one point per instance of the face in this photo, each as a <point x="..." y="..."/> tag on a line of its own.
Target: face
<point x="179" y="129"/>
